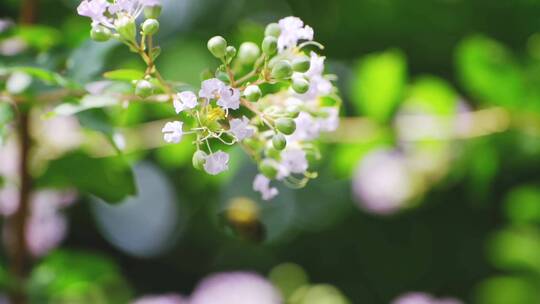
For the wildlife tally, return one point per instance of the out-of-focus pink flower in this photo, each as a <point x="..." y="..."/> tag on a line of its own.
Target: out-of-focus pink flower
<point x="423" y="298"/>
<point x="235" y="288"/>
<point x="9" y="200"/>
<point x="161" y="299"/>
<point x="383" y="182"/>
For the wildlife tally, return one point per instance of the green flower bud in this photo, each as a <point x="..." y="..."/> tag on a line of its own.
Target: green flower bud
<point x="100" y="33"/>
<point x="198" y="160"/>
<point x="144" y="88"/>
<point x="286" y="126"/>
<point x="300" y="85"/>
<point x="152" y="12"/>
<point x="279" y="141"/>
<point x="293" y="111"/>
<point x="231" y="52"/>
<point x="282" y="70"/>
<point x="217" y="46"/>
<point x="301" y="64"/>
<point x="150" y="27"/>
<point x="125" y="26"/>
<point x="268" y="168"/>
<point x="269" y="45"/>
<point x="272" y="152"/>
<point x="248" y="52"/>
<point x="253" y="93"/>
<point x="272" y="30"/>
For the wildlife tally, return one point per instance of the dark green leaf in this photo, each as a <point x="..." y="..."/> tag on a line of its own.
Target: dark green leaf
<point x="110" y="179"/>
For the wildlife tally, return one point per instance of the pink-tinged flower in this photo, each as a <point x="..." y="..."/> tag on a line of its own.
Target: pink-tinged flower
<point x="383" y="182"/>
<point x="293" y="160"/>
<point x="307" y="128"/>
<point x="423" y="298"/>
<point x="331" y="122"/>
<point x="184" y="101"/>
<point x="172" y="132"/>
<point x="95" y="10"/>
<point x="240" y="128"/>
<point x="229" y="98"/>
<point x="211" y="88"/>
<point x="292" y="31"/>
<point x="161" y="299"/>
<point x="216" y="163"/>
<point x="9" y="200"/>
<point x="235" y="288"/>
<point x="262" y="185"/>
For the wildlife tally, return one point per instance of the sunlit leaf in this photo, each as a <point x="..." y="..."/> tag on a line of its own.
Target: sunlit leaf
<point x="40" y="37"/>
<point x="379" y="81"/>
<point x="488" y="71"/>
<point x="125" y="75"/>
<point x="516" y="249"/>
<point x="506" y="290"/>
<point x="522" y="205"/>
<point x="75" y="277"/>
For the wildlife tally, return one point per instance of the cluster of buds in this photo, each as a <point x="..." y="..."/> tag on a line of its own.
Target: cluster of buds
<point x="268" y="99"/>
<point x="272" y="99"/>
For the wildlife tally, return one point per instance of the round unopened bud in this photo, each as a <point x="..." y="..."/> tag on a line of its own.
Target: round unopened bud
<point x="293" y="111"/>
<point x="272" y="152"/>
<point x="199" y="159"/>
<point x="231" y="52"/>
<point x="268" y="168"/>
<point x="100" y="33"/>
<point x="286" y="126"/>
<point x="248" y="52"/>
<point x="279" y="141"/>
<point x="125" y="26"/>
<point x="152" y="12"/>
<point x="217" y="46"/>
<point x="300" y="85"/>
<point x="282" y="70"/>
<point x="253" y="93"/>
<point x="150" y="27"/>
<point x="144" y="88"/>
<point x="301" y="64"/>
<point x="272" y="30"/>
<point x="269" y="45"/>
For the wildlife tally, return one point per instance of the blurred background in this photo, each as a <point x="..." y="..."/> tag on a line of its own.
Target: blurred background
<point x="431" y="184"/>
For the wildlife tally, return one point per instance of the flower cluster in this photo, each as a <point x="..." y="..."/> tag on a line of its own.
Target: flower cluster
<point x="278" y="128"/>
<point x="117" y="18"/>
<point x="272" y="99"/>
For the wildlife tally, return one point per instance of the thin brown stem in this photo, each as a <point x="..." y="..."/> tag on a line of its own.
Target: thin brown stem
<point x="29" y="9"/>
<point x="20" y="258"/>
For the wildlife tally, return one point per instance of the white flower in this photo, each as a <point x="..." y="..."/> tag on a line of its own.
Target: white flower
<point x="210" y="88"/>
<point x="185" y="100"/>
<point x="95" y="9"/>
<point x="293" y="160"/>
<point x="216" y="163"/>
<point x="331" y="122"/>
<point x="229" y="98"/>
<point x="235" y="288"/>
<point x="307" y="128"/>
<point x="316" y="67"/>
<point x="240" y="128"/>
<point x="172" y="132"/>
<point x="318" y="84"/>
<point x="161" y="299"/>
<point x="150" y="2"/>
<point x="262" y="185"/>
<point x="293" y="30"/>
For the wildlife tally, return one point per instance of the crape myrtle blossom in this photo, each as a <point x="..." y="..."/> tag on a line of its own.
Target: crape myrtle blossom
<point x="272" y="99"/>
<point x="161" y="299"/>
<point x="262" y="184"/>
<point x="104" y="12"/>
<point x="292" y="31"/>
<point x="423" y="298"/>
<point x="235" y="288"/>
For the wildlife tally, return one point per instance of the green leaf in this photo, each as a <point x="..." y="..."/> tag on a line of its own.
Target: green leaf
<point x="110" y="179"/>
<point x="41" y="37"/>
<point x="87" y="102"/>
<point x="87" y="62"/>
<point x="378" y="84"/>
<point x="48" y="77"/>
<point x="522" y="205"/>
<point x="77" y="277"/>
<point x="431" y="95"/>
<point x="124" y="75"/>
<point x="489" y="73"/>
